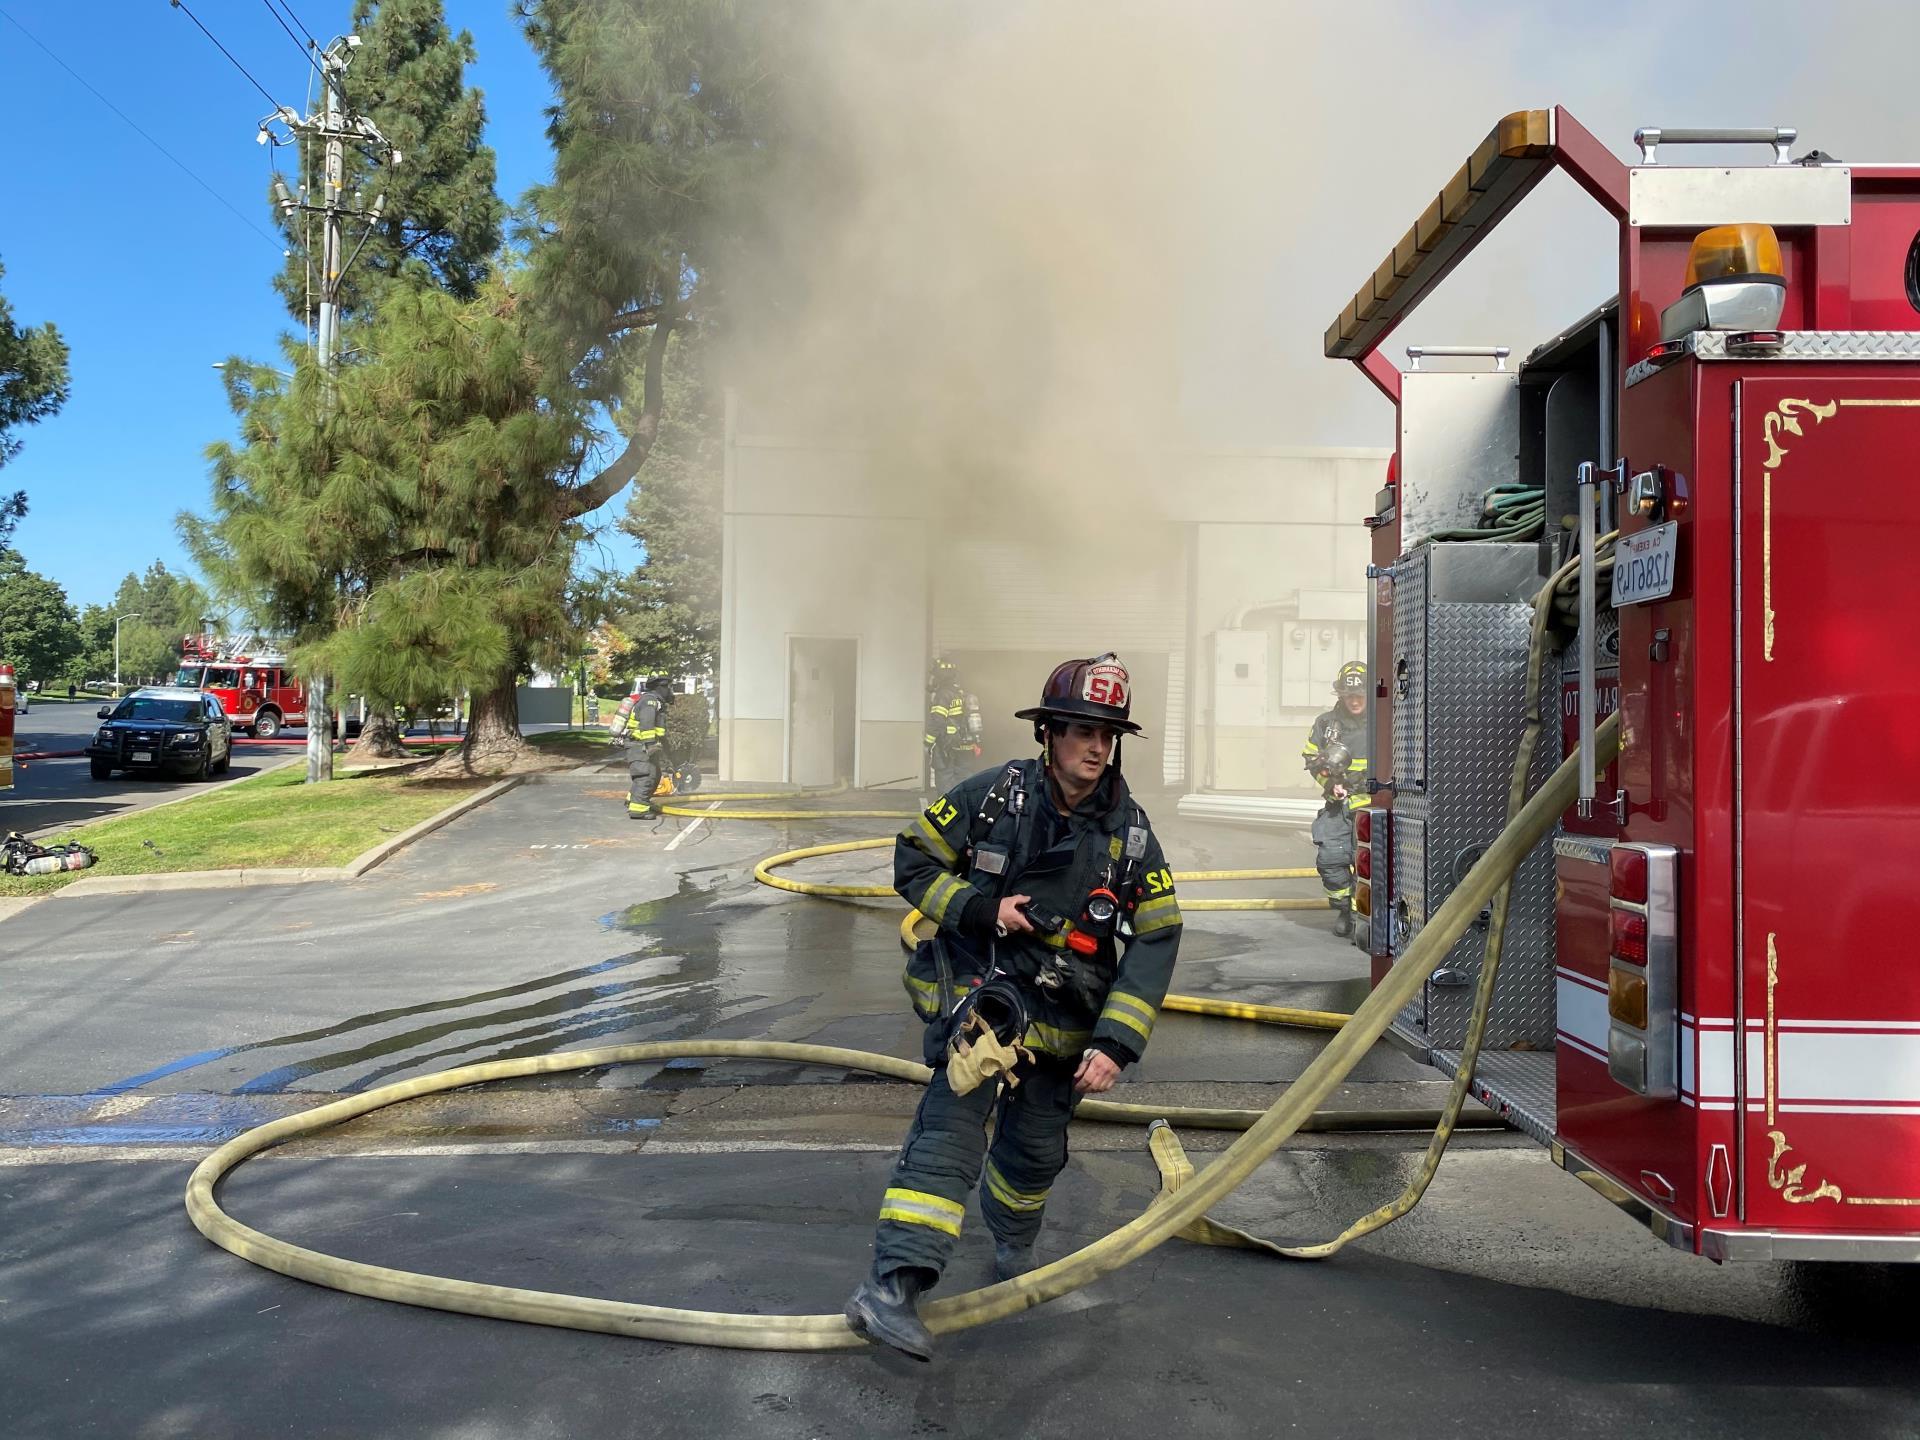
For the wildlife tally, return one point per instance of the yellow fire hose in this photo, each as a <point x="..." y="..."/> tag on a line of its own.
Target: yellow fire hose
<point x="912" y="933"/>
<point x="1175" y="1169"/>
<point x="1190" y="1004"/>
<point x="1178" y="1208"/>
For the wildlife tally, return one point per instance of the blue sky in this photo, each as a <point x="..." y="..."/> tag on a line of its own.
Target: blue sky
<point x="149" y="277"/>
<point x="152" y="279"/>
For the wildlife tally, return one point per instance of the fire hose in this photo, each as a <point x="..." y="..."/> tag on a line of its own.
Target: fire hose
<point x="1182" y="1204"/>
<point x="1179" y="1211"/>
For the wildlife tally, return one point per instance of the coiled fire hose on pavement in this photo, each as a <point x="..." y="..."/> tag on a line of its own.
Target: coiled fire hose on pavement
<point x="1175" y="1211"/>
<point x="1188" y="1004"/>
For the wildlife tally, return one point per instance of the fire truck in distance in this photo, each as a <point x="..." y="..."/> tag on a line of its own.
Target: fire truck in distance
<point x="8" y="693"/>
<point x="254" y="682"/>
<point x="1692" y="505"/>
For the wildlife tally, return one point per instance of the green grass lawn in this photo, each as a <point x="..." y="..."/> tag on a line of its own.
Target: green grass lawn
<point x="271" y="820"/>
<point x="561" y="739"/>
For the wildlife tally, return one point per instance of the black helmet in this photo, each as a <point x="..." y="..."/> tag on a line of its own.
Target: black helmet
<point x="1352" y="679"/>
<point x="1097" y="689"/>
<point x="660" y="684"/>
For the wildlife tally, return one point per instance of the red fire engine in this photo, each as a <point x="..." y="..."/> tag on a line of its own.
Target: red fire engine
<point x="254" y="683"/>
<point x="7" y="697"/>
<point x="1702" y="1008"/>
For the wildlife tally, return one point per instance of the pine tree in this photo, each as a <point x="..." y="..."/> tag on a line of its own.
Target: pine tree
<point x="33" y="386"/>
<point x="670" y="605"/>
<point x="447" y="436"/>
<point x="441" y="222"/>
<point x="440" y="229"/>
<point x="661" y="129"/>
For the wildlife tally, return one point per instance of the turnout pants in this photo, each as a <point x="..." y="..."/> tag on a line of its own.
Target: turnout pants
<point x="643" y="778"/>
<point x="921" y="1213"/>
<point x="1333" y="854"/>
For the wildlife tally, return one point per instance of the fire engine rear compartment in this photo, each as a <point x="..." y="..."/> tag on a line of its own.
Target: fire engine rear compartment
<point x="1736" y="756"/>
<point x="1696" y="1008"/>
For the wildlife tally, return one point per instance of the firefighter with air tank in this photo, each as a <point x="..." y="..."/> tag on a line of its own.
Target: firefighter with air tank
<point x="1058" y="929"/>
<point x="640" y="724"/>
<point x="952" y="738"/>
<point x="1336" y="757"/>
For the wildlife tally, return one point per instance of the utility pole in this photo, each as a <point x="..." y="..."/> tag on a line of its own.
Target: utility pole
<point x="334" y="127"/>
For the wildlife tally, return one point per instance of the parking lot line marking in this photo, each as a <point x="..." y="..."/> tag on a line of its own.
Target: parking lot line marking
<point x="690" y="827"/>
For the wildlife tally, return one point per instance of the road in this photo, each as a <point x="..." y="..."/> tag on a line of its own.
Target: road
<point x="135" y="1031"/>
<point x="52" y="795"/>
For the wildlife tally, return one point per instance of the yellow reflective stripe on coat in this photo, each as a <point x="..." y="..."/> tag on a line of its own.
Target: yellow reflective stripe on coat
<point x="1160" y="914"/>
<point x="1310" y="749"/>
<point x="1013" y="1199"/>
<point x="1130" y="1011"/>
<point x="939" y="896"/>
<point x="933" y="842"/>
<point x="917" y="1207"/>
<point x="924" y="994"/>
<point x="1067" y="1044"/>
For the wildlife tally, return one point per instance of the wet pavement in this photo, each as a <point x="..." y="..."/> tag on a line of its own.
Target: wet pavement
<point x="137" y="1031"/>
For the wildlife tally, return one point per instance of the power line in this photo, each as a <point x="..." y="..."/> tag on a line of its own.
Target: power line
<point x="312" y="39"/>
<point x="181" y="7"/>
<point x="224" y="202"/>
<point x="305" y="51"/>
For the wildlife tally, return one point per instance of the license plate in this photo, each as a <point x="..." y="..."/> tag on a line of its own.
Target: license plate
<point x="142" y="757"/>
<point x="1643" y="564"/>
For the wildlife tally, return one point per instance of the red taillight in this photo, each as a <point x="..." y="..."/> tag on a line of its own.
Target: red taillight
<point x="1363" y="864"/>
<point x="1629" y="938"/>
<point x="1629" y="874"/>
<point x="1363" y="827"/>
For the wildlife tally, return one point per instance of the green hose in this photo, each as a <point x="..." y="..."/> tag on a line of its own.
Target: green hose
<point x="1161" y="1222"/>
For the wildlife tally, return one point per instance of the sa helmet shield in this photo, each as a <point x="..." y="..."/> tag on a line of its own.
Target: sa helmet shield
<point x="1105" y="683"/>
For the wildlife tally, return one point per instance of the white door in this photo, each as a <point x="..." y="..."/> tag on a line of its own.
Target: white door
<point x="811" y="706"/>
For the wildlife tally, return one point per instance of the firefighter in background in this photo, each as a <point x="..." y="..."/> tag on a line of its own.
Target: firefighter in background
<point x="952" y="745"/>
<point x="1058" y="929"/>
<point x="641" y="725"/>
<point x="1336" y="757"/>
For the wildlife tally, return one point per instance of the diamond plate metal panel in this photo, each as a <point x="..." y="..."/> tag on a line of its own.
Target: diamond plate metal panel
<point x="1475" y="713"/>
<point x="1798" y="345"/>
<point x="1517" y="1084"/>
<point x="1461" y="672"/>
<point x="1409" y="649"/>
<point x="1409" y="890"/>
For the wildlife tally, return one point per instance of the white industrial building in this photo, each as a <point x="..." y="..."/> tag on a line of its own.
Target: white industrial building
<point x="1233" y="606"/>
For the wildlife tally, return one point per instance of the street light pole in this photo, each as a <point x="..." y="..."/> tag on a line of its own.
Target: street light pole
<point x="129" y="615"/>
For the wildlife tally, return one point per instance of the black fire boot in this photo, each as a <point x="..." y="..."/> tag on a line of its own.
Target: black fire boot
<point x="1012" y="1260"/>
<point x="1343" y="922"/>
<point x="883" y="1310"/>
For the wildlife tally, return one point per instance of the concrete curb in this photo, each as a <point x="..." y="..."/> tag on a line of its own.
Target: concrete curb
<point x="324" y="875"/>
<point x="367" y="859"/>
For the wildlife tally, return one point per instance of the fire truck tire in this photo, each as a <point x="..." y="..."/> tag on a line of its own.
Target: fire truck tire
<point x="101" y="769"/>
<point x="266" y="724"/>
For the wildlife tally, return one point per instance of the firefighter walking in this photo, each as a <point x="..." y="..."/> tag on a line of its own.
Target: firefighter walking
<point x="640" y="724"/>
<point x="1336" y="757"/>
<point x="1058" y="929"/>
<point x="952" y="747"/>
